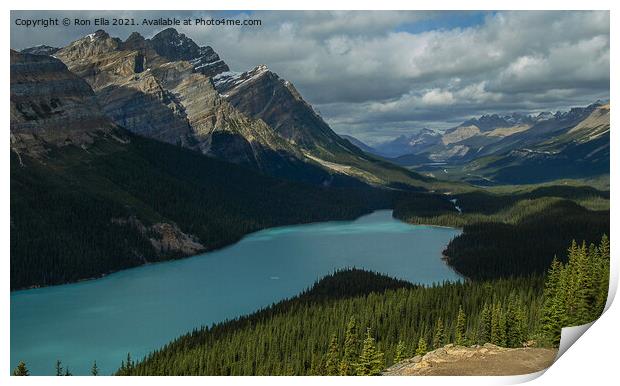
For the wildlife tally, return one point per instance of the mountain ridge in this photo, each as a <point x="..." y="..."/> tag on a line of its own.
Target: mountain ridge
<point x="501" y="149"/>
<point x="173" y="90"/>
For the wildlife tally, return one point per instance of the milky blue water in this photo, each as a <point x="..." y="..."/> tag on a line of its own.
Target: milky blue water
<point x="140" y="309"/>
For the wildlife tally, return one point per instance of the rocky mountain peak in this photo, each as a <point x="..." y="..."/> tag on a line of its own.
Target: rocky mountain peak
<point x="577" y="113"/>
<point x="41" y="49"/>
<point x="91" y="45"/>
<point x="488" y="122"/>
<point x="99" y="36"/>
<point x="174" y="46"/>
<point x="543" y="116"/>
<point x="135" y="40"/>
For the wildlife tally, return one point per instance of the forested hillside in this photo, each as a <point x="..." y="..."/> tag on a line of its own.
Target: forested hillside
<point x="517" y="234"/>
<point x="294" y="336"/>
<point x="79" y="214"/>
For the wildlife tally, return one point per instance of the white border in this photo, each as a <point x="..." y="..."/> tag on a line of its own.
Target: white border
<point x="592" y="359"/>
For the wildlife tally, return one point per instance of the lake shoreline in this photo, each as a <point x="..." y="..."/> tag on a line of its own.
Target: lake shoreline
<point x="147" y="263"/>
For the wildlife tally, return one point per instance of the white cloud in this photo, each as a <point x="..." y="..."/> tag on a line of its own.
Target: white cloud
<point x="437" y="97"/>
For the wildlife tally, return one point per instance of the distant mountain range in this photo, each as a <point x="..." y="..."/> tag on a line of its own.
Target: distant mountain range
<point x="514" y="148"/>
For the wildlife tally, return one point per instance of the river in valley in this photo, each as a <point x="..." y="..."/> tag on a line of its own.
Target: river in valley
<point x="140" y="309"/>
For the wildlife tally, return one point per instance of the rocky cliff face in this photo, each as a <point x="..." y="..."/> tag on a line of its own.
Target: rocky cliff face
<point x="167" y="239"/>
<point x="162" y="88"/>
<point x="262" y="94"/>
<point x="51" y="106"/>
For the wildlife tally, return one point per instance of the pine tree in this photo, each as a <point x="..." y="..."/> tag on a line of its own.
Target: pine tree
<point x="584" y="282"/>
<point x="371" y="360"/>
<point x="515" y="322"/>
<point x="400" y="352"/>
<point x="422" y="348"/>
<point x="438" y="336"/>
<point x="602" y="278"/>
<point x="350" y="349"/>
<point x="58" y="368"/>
<point x="94" y="370"/>
<point x="67" y="372"/>
<point x="459" y="333"/>
<point x="502" y="329"/>
<point x="332" y="357"/>
<point x="520" y="326"/>
<point x="550" y="318"/>
<point x="129" y="364"/>
<point x="21" y="370"/>
<point x="575" y="292"/>
<point x="496" y="335"/>
<point x="123" y="369"/>
<point x="484" y="326"/>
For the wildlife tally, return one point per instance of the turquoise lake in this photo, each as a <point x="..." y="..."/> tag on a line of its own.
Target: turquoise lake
<point x="141" y="309"/>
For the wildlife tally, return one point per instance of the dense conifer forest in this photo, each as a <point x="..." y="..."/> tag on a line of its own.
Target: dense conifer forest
<point x="295" y="336"/>
<point x="507" y="235"/>
<point x="576" y="291"/>
<point x="70" y="210"/>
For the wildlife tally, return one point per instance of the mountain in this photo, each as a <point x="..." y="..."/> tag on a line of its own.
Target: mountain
<point x="490" y="122"/>
<point x="175" y="46"/>
<point x="262" y="94"/>
<point x="361" y="145"/>
<point x="89" y="197"/>
<point x="50" y="105"/>
<point x="580" y="150"/>
<point x="40" y="50"/>
<point x="140" y="89"/>
<point x="520" y="148"/>
<point x="416" y="143"/>
<point x="170" y="89"/>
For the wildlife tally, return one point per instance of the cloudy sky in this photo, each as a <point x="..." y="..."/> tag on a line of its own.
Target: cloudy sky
<point x="379" y="74"/>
